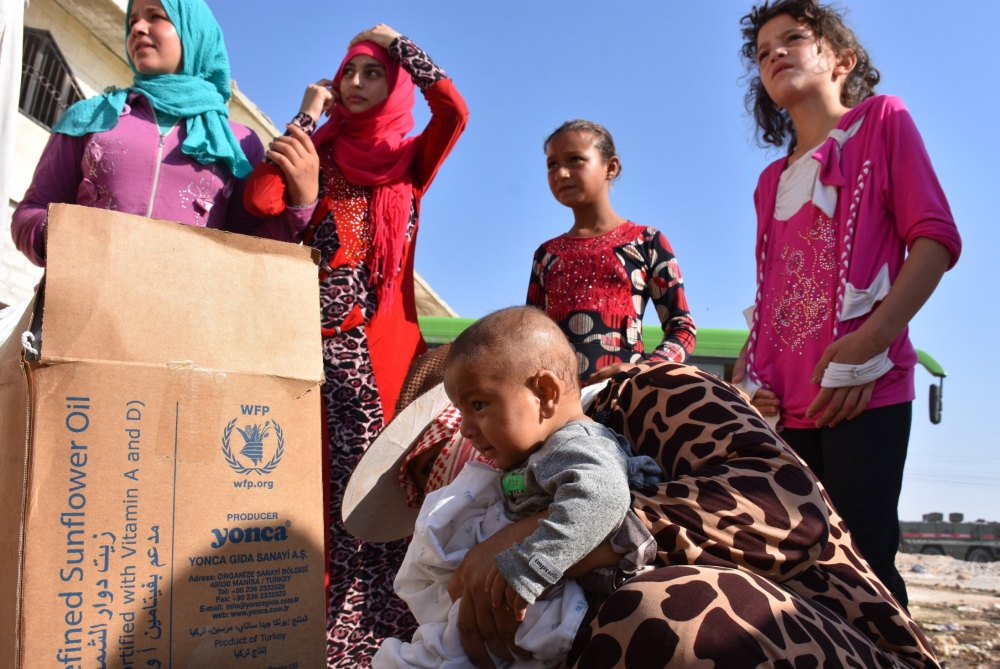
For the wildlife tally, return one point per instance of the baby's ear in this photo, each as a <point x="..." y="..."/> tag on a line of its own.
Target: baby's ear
<point x="549" y="389"/>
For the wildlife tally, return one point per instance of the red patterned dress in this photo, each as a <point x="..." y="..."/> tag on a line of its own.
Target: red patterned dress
<point x="597" y="288"/>
<point x="367" y="348"/>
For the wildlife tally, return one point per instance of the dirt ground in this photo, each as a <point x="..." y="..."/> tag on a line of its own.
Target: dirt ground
<point x="957" y="604"/>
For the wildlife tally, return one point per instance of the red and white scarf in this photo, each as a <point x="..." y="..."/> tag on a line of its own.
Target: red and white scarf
<point x="456" y="453"/>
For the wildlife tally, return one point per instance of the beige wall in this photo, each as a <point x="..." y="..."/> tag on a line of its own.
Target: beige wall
<point x="245" y="112"/>
<point x="429" y="303"/>
<point x="94" y="65"/>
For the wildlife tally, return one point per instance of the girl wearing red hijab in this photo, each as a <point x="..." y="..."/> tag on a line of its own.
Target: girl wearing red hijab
<point x="364" y="178"/>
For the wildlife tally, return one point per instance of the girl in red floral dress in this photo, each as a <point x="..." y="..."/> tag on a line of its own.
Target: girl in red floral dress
<point x="362" y="177"/>
<point x="595" y="280"/>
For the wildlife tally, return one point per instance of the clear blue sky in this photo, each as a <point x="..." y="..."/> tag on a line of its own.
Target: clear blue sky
<point x="664" y="77"/>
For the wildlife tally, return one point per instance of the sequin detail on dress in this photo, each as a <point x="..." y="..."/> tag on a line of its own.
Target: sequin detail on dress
<point x="805" y="301"/>
<point x="597" y="288"/>
<point x="200" y="195"/>
<point x="350" y="210"/>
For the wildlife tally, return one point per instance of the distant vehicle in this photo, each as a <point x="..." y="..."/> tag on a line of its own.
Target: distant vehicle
<point x="715" y="352"/>
<point x="976" y="542"/>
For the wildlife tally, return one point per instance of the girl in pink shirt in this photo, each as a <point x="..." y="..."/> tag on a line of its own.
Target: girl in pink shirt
<point x="829" y="356"/>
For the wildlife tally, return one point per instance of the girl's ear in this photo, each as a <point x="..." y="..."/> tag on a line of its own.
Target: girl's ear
<point x="846" y="62"/>
<point x="549" y="390"/>
<point x="614" y="167"/>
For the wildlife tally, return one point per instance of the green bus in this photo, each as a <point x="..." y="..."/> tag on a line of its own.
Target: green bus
<point x="715" y="351"/>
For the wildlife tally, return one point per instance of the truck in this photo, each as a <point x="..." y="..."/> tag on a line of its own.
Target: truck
<point x="977" y="541"/>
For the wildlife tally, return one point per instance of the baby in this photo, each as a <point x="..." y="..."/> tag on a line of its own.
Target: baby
<point x="513" y="375"/>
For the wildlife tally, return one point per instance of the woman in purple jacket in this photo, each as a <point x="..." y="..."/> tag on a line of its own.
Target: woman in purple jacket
<point x="162" y="147"/>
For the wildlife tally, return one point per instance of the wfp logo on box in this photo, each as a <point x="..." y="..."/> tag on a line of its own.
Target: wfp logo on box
<point x="258" y="440"/>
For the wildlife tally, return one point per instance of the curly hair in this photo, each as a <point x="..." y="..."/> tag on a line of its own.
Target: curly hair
<point x="602" y="138"/>
<point x="774" y="125"/>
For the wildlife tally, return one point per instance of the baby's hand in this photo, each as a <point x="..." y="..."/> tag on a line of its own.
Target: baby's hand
<point x="502" y="593"/>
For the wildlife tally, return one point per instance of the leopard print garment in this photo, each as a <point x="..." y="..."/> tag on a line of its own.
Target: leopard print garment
<point x="759" y="570"/>
<point x="422" y="70"/>
<point x="363" y="609"/>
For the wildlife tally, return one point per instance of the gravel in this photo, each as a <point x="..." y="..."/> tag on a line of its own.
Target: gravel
<point x="957" y="604"/>
<point x="944" y="571"/>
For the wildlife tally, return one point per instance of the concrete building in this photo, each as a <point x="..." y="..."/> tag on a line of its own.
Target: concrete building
<point x="85" y="37"/>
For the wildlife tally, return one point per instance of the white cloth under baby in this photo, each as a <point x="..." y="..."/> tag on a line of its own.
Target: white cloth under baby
<point x="589" y="393"/>
<point x="452" y="520"/>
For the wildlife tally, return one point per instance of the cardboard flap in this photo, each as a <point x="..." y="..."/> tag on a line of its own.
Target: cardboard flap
<point x="221" y="301"/>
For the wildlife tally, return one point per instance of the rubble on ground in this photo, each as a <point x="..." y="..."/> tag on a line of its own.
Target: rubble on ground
<point x="957" y="604"/>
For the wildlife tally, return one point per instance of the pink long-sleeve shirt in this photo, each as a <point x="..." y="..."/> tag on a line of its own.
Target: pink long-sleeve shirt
<point x="134" y="169"/>
<point x="832" y="234"/>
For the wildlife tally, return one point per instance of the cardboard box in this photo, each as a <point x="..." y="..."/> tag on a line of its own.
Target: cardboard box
<point x="160" y="458"/>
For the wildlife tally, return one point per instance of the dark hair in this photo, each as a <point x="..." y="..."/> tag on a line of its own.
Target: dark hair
<point x="774" y="126"/>
<point x="517" y="341"/>
<point x="602" y="138"/>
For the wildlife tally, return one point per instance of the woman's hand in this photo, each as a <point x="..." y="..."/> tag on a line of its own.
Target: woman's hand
<point x="318" y="98"/>
<point x="296" y="156"/>
<point x="849" y="401"/>
<point x="479" y="623"/>
<point x="841" y="403"/>
<point x="380" y="34"/>
<point x="602" y="556"/>
<point x="609" y="371"/>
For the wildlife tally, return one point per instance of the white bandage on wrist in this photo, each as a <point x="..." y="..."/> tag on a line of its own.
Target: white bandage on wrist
<point x="838" y="375"/>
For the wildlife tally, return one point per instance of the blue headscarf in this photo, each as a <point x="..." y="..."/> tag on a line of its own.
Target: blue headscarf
<point x="198" y="94"/>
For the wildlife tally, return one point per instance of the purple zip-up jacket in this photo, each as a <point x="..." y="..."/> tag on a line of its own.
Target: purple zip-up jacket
<point x="133" y="169"/>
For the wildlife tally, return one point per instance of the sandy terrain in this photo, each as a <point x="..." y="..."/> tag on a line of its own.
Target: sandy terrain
<point x="957" y="604"/>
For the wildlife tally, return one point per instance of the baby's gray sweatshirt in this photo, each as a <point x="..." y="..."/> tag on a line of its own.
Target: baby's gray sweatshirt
<point x="581" y="475"/>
